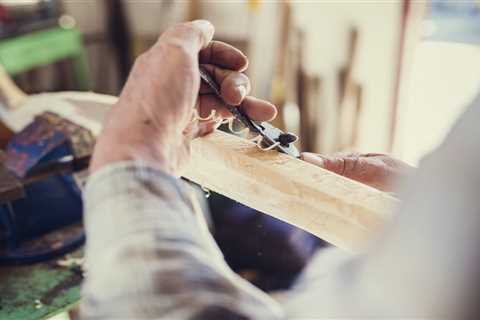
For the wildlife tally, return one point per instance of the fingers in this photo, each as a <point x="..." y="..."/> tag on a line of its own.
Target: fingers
<point x="350" y="165"/>
<point x="207" y="103"/>
<point x="225" y="64"/>
<point x="312" y="158"/>
<point x="200" y="129"/>
<point x="207" y="127"/>
<point x="334" y="164"/>
<point x="234" y="86"/>
<point x="191" y="37"/>
<point x="223" y="55"/>
<point x="370" y="169"/>
<point x="256" y="109"/>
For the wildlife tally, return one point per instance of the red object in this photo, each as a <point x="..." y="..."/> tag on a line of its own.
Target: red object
<point x="4" y="15"/>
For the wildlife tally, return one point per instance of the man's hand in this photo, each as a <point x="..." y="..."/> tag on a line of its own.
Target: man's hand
<point x="376" y="170"/>
<point x="152" y="121"/>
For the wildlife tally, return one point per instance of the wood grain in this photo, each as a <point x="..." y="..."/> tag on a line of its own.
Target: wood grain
<point x="336" y="209"/>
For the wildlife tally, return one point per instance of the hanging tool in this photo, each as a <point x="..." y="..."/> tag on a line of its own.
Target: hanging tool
<point x="350" y="103"/>
<point x="272" y="137"/>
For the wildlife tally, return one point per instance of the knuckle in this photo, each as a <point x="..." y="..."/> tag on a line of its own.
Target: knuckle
<point x="186" y="30"/>
<point x="241" y="78"/>
<point x="176" y="47"/>
<point x="142" y="58"/>
<point x="141" y="63"/>
<point x="182" y="27"/>
<point x="191" y="29"/>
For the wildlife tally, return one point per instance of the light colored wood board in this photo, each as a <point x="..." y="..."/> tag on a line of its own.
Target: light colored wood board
<point x="84" y="108"/>
<point x="332" y="207"/>
<point x="10" y="94"/>
<point x="338" y="210"/>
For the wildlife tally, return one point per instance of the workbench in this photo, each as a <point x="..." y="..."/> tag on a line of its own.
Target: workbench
<point x="41" y="290"/>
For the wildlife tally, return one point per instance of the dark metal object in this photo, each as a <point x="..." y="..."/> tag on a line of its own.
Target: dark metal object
<point x="286" y="138"/>
<point x="270" y="134"/>
<point x="10" y="187"/>
<point x="65" y="165"/>
<point x="36" y="208"/>
<point x="22" y="164"/>
<point x="39" y="197"/>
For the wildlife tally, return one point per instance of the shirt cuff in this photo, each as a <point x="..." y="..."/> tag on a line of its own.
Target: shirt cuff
<point x="127" y="198"/>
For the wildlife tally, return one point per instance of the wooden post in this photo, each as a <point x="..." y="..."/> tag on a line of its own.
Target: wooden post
<point x="10" y="95"/>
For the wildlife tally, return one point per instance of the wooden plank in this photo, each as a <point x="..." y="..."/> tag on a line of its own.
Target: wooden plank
<point x="336" y="209"/>
<point x="84" y="108"/>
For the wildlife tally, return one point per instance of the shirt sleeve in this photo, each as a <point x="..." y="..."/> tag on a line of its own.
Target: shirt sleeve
<point x="149" y="256"/>
<point x="424" y="264"/>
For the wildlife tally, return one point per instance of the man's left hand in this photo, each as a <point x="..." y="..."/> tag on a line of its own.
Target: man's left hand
<point x="376" y="170"/>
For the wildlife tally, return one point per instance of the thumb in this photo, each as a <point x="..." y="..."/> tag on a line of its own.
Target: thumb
<point x="336" y="164"/>
<point x="191" y="36"/>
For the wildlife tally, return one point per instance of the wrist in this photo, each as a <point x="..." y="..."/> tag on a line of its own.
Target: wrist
<point x="146" y="147"/>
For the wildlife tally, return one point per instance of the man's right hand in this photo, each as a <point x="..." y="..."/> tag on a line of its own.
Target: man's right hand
<point x="377" y="170"/>
<point x="153" y="121"/>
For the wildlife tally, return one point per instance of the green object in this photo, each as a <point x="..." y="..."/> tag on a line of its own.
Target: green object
<point x="41" y="48"/>
<point x="39" y="291"/>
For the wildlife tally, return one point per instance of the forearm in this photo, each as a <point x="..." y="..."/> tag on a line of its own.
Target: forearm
<point x="148" y="256"/>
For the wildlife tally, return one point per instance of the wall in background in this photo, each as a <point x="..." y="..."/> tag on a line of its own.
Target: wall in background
<point x="91" y="18"/>
<point x="445" y="78"/>
<point x="257" y="29"/>
<point x="327" y="25"/>
<point x="253" y="29"/>
<point x="235" y="22"/>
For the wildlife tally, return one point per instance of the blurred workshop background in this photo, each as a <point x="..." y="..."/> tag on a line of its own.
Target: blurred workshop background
<point x="373" y="76"/>
<point x="383" y="76"/>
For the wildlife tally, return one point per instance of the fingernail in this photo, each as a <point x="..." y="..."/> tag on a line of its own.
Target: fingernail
<point x="207" y="29"/>
<point x="203" y="23"/>
<point x="242" y="90"/>
<point x="312" y="158"/>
